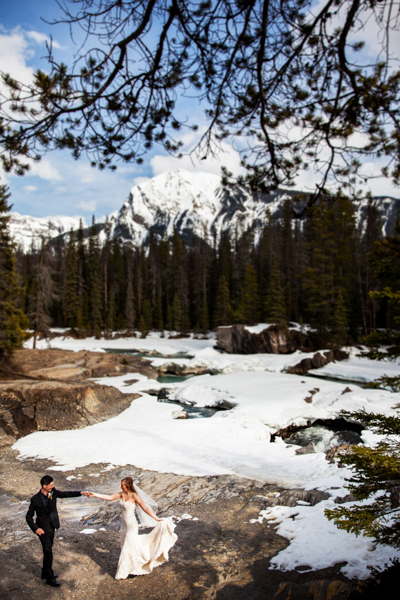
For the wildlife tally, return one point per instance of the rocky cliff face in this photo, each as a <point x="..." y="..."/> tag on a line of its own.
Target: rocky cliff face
<point x="43" y="390"/>
<point x="26" y="407"/>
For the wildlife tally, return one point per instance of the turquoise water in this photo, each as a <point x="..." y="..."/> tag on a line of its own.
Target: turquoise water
<point x="170" y="378"/>
<point x="144" y="355"/>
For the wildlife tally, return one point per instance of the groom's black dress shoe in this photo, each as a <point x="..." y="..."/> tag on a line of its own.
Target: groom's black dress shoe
<point x="44" y="577"/>
<point x="53" y="582"/>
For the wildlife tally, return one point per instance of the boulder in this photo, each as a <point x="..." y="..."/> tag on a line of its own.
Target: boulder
<point x="317" y="361"/>
<point x="309" y="449"/>
<point x="180" y="414"/>
<point x="236" y="339"/>
<point x="337" y="452"/>
<point x="26" y="407"/>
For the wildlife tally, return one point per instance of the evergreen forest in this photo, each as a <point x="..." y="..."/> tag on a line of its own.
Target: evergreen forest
<point x="320" y="270"/>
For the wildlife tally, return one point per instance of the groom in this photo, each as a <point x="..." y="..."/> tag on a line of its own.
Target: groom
<point x="44" y="504"/>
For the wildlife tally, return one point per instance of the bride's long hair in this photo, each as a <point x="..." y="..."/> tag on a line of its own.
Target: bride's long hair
<point x="129" y="484"/>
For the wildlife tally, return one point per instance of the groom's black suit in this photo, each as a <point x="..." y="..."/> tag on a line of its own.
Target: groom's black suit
<point x="46" y="519"/>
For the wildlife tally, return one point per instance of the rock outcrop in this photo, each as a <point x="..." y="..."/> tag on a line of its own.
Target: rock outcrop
<point x="28" y="406"/>
<point x="236" y="339"/>
<point x="320" y="359"/>
<point x="66" y="365"/>
<point x="317" y="590"/>
<point x="337" y="452"/>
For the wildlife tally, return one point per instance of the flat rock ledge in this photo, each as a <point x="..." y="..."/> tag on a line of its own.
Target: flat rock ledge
<point x="66" y="365"/>
<point x="28" y="406"/>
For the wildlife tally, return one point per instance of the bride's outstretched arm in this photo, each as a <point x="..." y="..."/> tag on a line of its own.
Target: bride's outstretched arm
<point x="105" y="496"/>
<point x="145" y="508"/>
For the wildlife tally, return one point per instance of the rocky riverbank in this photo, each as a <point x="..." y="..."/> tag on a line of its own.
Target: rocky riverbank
<point x="219" y="554"/>
<point x="45" y="390"/>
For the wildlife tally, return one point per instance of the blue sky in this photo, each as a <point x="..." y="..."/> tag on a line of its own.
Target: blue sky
<point x="59" y="185"/>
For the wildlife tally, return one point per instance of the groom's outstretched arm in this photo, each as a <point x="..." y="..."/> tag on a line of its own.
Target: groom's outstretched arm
<point x="61" y="494"/>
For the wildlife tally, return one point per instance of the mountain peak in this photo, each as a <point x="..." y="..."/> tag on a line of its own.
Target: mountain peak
<point x="195" y="204"/>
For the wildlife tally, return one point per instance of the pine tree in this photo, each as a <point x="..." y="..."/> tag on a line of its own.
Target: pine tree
<point x="83" y="310"/>
<point x="12" y="320"/>
<point x="147" y="314"/>
<point x="158" y="316"/>
<point x="339" y="321"/>
<point x="129" y="306"/>
<point x="274" y="305"/>
<point x="176" y="314"/>
<point x="142" y="327"/>
<point x="170" y="320"/>
<point x="375" y="482"/>
<point x="71" y="289"/>
<point x="44" y="291"/>
<point x="250" y="303"/>
<point x="319" y="275"/>
<point x="223" y="310"/>
<point x="205" y="322"/>
<point x="94" y="281"/>
<point x="106" y="259"/>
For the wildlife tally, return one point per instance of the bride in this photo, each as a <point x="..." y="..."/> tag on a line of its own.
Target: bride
<point x="140" y="553"/>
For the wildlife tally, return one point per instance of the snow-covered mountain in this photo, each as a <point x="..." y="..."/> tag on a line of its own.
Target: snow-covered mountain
<point x="196" y="205"/>
<point x="27" y="230"/>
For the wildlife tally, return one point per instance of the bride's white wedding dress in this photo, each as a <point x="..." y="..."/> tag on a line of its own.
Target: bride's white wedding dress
<point x="141" y="553"/>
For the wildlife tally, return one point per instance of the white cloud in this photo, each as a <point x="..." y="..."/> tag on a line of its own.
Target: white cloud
<point x="87" y="205"/>
<point x="370" y="28"/>
<point x="45" y="170"/>
<point x="30" y="188"/>
<point x="227" y="157"/>
<point x="41" y="38"/>
<point x="14" y="53"/>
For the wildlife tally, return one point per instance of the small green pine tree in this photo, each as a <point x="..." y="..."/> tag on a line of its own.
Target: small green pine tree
<point x="376" y="482"/>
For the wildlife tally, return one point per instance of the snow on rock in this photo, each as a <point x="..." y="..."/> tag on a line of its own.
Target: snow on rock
<point x="317" y="543"/>
<point x="236" y="441"/>
<point x="278" y="399"/>
<point x="147" y="436"/>
<point x="358" y="368"/>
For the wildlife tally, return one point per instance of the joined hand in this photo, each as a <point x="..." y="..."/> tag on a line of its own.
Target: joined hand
<point x="88" y="494"/>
